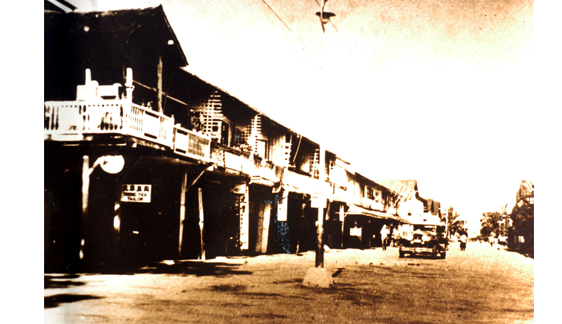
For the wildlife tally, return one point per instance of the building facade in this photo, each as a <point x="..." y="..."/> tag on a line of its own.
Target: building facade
<point x="144" y="161"/>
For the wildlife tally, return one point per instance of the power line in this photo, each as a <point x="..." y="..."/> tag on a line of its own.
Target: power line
<point x="284" y="23"/>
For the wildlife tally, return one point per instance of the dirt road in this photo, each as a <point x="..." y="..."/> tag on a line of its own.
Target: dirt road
<point x="479" y="285"/>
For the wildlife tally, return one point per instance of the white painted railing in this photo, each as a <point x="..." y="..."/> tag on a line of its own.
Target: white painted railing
<point x="191" y="144"/>
<point x="74" y="120"/>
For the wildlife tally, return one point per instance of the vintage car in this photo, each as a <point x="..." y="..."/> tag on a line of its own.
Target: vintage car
<point x="425" y="238"/>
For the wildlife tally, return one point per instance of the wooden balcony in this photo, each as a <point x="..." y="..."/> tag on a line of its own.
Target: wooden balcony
<point x="230" y="159"/>
<point x="191" y="144"/>
<point x="81" y="119"/>
<point x="237" y="162"/>
<point x="369" y="203"/>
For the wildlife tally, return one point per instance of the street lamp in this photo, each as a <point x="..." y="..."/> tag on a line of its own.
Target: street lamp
<point x="324" y="15"/>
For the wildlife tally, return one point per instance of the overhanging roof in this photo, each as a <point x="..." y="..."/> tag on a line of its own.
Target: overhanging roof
<point x="357" y="210"/>
<point x="115" y="24"/>
<point x="426" y="220"/>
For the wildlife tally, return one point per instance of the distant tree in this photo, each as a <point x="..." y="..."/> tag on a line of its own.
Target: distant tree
<point x="490" y="224"/>
<point x="457" y="225"/>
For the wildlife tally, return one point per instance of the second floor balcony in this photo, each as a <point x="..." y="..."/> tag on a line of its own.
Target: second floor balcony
<point x="82" y="120"/>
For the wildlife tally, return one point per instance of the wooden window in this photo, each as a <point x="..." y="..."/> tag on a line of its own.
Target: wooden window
<point x="370" y="193"/>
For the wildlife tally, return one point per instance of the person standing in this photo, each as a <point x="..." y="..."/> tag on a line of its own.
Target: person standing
<point x="463" y="242"/>
<point x="384" y="236"/>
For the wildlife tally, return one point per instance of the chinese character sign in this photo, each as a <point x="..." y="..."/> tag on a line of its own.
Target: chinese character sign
<point x="244" y="220"/>
<point x="140" y="193"/>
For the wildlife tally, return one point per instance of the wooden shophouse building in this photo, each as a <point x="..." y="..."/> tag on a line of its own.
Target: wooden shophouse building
<point x="144" y="161"/>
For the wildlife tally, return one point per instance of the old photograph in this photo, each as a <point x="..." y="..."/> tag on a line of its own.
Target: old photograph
<point x="288" y="161"/>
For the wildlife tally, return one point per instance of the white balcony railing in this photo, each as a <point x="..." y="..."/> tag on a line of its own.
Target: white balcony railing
<point x="191" y="144"/>
<point x="74" y="120"/>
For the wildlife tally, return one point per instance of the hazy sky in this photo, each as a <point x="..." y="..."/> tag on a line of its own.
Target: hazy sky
<point x="439" y="91"/>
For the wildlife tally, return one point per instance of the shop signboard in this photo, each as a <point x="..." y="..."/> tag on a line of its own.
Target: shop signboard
<point x="244" y="220"/>
<point x="138" y="193"/>
<point x="355" y="231"/>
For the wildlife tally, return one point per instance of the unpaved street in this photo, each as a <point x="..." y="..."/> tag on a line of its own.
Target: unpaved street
<point x="479" y="285"/>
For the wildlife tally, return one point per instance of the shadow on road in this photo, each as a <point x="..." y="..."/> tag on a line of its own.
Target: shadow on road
<point x="528" y="252"/>
<point x="56" y="300"/>
<point x="61" y="281"/>
<point x="421" y="256"/>
<point x="352" y="293"/>
<point x="198" y="268"/>
<point x="182" y="268"/>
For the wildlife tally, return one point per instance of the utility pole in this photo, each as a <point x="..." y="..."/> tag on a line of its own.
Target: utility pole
<point x="321" y="206"/>
<point x="320" y="276"/>
<point x="324" y="19"/>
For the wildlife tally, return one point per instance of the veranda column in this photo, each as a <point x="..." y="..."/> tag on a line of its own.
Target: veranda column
<point x="201" y="222"/>
<point x="85" y="198"/>
<point x="182" y="210"/>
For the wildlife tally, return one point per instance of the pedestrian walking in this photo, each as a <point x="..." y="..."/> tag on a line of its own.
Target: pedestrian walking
<point x="463" y="242"/>
<point x="384" y="236"/>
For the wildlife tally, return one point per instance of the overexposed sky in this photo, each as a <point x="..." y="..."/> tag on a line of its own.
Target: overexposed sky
<point x="442" y="91"/>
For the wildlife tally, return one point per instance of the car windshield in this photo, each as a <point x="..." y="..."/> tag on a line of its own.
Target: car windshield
<point x="429" y="228"/>
<point x="424" y="228"/>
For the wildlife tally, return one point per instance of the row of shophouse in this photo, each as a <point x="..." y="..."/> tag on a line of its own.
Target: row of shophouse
<point x="144" y="161"/>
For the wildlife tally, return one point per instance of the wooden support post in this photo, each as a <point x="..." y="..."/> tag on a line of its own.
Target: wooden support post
<point x="85" y="197"/>
<point x="116" y="230"/>
<point x="182" y="210"/>
<point x="201" y="221"/>
<point x="265" y="232"/>
<point x="342" y="219"/>
<point x="259" y="206"/>
<point x="159" y="86"/>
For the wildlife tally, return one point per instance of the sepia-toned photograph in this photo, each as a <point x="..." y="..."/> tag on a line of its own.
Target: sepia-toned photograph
<point x="288" y="161"/>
